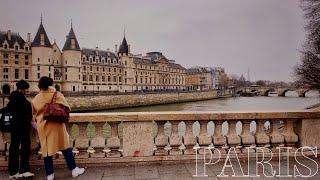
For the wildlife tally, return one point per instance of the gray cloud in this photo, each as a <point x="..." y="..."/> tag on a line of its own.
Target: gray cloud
<point x="261" y="34"/>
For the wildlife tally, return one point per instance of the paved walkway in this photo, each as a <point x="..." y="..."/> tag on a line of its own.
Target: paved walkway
<point x="166" y="171"/>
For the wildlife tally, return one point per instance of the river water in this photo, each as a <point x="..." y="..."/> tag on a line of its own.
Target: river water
<point x="257" y="103"/>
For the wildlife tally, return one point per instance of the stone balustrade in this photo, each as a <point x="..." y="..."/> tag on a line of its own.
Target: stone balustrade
<point x="156" y="136"/>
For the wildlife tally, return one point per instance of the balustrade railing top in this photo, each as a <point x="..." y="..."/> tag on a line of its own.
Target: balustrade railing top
<point x="192" y="115"/>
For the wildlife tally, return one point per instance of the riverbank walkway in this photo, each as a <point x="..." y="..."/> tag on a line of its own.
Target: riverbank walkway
<point x="176" y="171"/>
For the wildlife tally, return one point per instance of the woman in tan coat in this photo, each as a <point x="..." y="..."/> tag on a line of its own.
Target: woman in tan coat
<point x="53" y="136"/>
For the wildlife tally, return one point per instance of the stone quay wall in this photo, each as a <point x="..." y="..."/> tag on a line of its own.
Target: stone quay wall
<point x="98" y="102"/>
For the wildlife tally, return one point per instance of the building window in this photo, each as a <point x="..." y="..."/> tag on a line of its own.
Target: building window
<point x="38" y="75"/>
<point x="16" y="73"/>
<point x="84" y="78"/>
<point x="26" y="73"/>
<point x="49" y="75"/>
<point x="49" y="59"/>
<point x="84" y="68"/>
<point x="109" y="78"/>
<point x="66" y="70"/>
<point x="6" y="46"/>
<point x="66" y="77"/>
<point x="103" y="78"/>
<point x="38" y="59"/>
<point x="90" y="68"/>
<point x="115" y="70"/>
<point x="26" y="62"/>
<point x="97" y="78"/>
<point x="90" y="78"/>
<point x="38" y="68"/>
<point x="114" y="79"/>
<point x="49" y="68"/>
<point x="16" y="59"/>
<point x="120" y="79"/>
<point x="5" y="59"/>
<point x="16" y="48"/>
<point x="5" y="73"/>
<point x="73" y="88"/>
<point x="97" y="68"/>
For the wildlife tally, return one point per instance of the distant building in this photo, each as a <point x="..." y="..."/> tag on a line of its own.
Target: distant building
<point x="199" y="78"/>
<point x="76" y="69"/>
<point x="218" y="77"/>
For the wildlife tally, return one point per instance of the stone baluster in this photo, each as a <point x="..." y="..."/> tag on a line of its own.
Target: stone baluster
<point x="113" y="142"/>
<point x="204" y="139"/>
<point x="219" y="140"/>
<point x="161" y="140"/>
<point x="73" y="130"/>
<point x="247" y="137"/>
<point x="290" y="137"/>
<point x="189" y="139"/>
<point x="82" y="141"/>
<point x="175" y="140"/>
<point x="262" y="138"/>
<point x="98" y="141"/>
<point x="276" y="138"/>
<point x="233" y="138"/>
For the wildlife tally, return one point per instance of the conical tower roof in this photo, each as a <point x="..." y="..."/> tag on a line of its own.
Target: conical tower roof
<point x="124" y="48"/>
<point x="37" y="39"/>
<point x="68" y="44"/>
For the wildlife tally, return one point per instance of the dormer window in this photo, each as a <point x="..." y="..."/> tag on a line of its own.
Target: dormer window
<point x="73" y="44"/>
<point x="26" y="48"/>
<point x="16" y="47"/>
<point x="6" y="46"/>
<point x="42" y="39"/>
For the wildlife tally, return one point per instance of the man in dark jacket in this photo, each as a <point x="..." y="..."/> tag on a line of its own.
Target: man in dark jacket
<point x="21" y="109"/>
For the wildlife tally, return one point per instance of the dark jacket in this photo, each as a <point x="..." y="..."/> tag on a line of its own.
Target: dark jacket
<point x="21" y="108"/>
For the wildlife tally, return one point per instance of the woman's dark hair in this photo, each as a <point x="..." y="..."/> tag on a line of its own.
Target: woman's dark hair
<point x="22" y="84"/>
<point x="45" y="82"/>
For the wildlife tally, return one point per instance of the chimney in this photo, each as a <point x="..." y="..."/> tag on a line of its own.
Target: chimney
<point x="29" y="37"/>
<point x="97" y="50"/>
<point x="115" y="48"/>
<point x="9" y="35"/>
<point x="128" y="48"/>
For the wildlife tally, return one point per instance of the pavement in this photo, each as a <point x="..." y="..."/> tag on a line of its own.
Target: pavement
<point x="185" y="171"/>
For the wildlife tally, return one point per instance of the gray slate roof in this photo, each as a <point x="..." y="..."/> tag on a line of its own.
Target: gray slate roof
<point x="37" y="39"/>
<point x="93" y="52"/>
<point x="124" y="48"/>
<point x="67" y="44"/>
<point x="15" y="37"/>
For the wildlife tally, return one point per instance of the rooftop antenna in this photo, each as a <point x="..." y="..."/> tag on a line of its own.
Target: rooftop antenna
<point x="71" y="22"/>
<point x="41" y="18"/>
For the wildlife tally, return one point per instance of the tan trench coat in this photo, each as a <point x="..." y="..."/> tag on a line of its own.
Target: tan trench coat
<point x="53" y="136"/>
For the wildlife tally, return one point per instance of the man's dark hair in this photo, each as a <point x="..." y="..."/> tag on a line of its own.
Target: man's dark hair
<point x="45" y="82"/>
<point x="22" y="84"/>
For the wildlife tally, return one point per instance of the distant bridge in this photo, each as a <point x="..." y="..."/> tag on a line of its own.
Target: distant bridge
<point x="281" y="91"/>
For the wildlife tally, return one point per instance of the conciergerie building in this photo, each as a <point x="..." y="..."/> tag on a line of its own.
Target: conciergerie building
<point x="77" y="69"/>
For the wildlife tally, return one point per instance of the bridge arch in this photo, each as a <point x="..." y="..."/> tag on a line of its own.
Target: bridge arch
<point x="283" y="92"/>
<point x="266" y="92"/>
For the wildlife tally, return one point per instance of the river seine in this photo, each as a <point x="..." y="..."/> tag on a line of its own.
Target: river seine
<point x="258" y="103"/>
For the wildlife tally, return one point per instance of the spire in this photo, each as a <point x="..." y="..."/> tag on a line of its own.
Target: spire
<point x="124" y="47"/>
<point x="41" y="38"/>
<point x="71" y="41"/>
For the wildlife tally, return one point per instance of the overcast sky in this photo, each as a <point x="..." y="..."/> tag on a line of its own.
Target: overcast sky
<point x="263" y="35"/>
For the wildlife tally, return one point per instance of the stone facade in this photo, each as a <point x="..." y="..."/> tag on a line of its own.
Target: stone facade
<point x="199" y="78"/>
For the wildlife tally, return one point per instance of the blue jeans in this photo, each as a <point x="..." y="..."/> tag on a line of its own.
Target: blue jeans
<point x="68" y="156"/>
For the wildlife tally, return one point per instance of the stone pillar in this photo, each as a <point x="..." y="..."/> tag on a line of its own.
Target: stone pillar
<point x="82" y="141"/>
<point x="138" y="138"/>
<point x="98" y="142"/>
<point x="218" y="139"/>
<point x="161" y="140"/>
<point x="290" y="137"/>
<point x="277" y="139"/>
<point x="246" y="135"/>
<point x="189" y="138"/>
<point x="174" y="139"/>
<point x="113" y="142"/>
<point x="262" y="139"/>
<point x="232" y="136"/>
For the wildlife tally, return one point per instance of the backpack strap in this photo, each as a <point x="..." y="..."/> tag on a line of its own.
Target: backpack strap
<point x="54" y="98"/>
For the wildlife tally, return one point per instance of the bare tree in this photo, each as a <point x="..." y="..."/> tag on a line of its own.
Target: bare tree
<point x="308" y="72"/>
